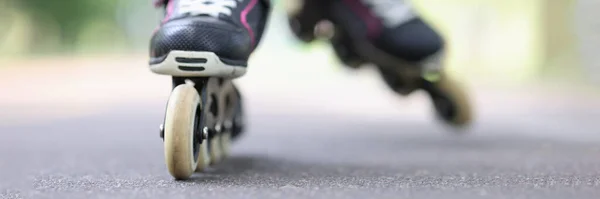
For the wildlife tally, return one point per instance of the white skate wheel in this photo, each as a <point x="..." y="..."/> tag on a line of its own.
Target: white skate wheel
<point x="226" y="143"/>
<point x="179" y="142"/>
<point x="203" y="157"/>
<point x="228" y="102"/>
<point x="216" y="154"/>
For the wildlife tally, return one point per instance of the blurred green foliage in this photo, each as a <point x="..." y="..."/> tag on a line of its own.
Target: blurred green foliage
<point x="68" y="26"/>
<point x="482" y="34"/>
<point x="69" y="16"/>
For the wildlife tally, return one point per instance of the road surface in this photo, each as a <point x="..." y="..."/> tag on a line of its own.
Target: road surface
<point x="94" y="134"/>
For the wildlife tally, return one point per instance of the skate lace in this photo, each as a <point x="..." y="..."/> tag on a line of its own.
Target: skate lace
<point x="207" y="7"/>
<point x="392" y="12"/>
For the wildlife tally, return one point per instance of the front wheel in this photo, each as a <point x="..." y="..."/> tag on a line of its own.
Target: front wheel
<point x="451" y="101"/>
<point x="182" y="147"/>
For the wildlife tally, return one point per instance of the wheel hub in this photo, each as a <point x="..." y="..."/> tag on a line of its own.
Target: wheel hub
<point x="161" y="128"/>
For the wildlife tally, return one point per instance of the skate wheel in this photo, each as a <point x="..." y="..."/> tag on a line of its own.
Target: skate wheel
<point x="216" y="154"/>
<point x="181" y="146"/>
<point x="454" y="106"/>
<point x="300" y="32"/>
<point x="211" y="98"/>
<point x="203" y="159"/>
<point x="345" y="52"/>
<point x="226" y="144"/>
<point x="231" y="109"/>
<point x="324" y="29"/>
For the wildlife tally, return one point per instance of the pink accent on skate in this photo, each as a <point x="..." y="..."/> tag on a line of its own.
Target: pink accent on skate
<point x="373" y="24"/>
<point x="244" y="20"/>
<point x="170" y="8"/>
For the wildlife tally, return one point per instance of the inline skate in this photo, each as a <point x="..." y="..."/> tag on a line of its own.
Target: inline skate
<point x="204" y="45"/>
<point x="389" y="35"/>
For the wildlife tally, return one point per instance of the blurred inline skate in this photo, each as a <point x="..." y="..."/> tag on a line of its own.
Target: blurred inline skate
<point x="390" y="35"/>
<point x="204" y="45"/>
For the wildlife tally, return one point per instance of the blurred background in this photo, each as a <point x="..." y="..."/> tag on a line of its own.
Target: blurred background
<point x="508" y="41"/>
<point x="77" y="99"/>
<point x="545" y="36"/>
<point x="75" y="52"/>
<point x="80" y="56"/>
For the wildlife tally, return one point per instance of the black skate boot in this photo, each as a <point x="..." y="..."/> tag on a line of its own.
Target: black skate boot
<point x="219" y="35"/>
<point x="390" y="35"/>
<point x="204" y="45"/>
<point x="310" y="20"/>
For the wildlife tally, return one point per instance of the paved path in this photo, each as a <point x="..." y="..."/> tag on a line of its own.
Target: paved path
<point x="335" y="136"/>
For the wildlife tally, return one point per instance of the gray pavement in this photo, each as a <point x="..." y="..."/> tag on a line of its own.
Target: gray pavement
<point x="118" y="154"/>
<point x="89" y="130"/>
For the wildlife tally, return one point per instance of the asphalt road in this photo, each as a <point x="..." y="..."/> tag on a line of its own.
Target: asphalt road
<point x="336" y="136"/>
<point x="118" y="154"/>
